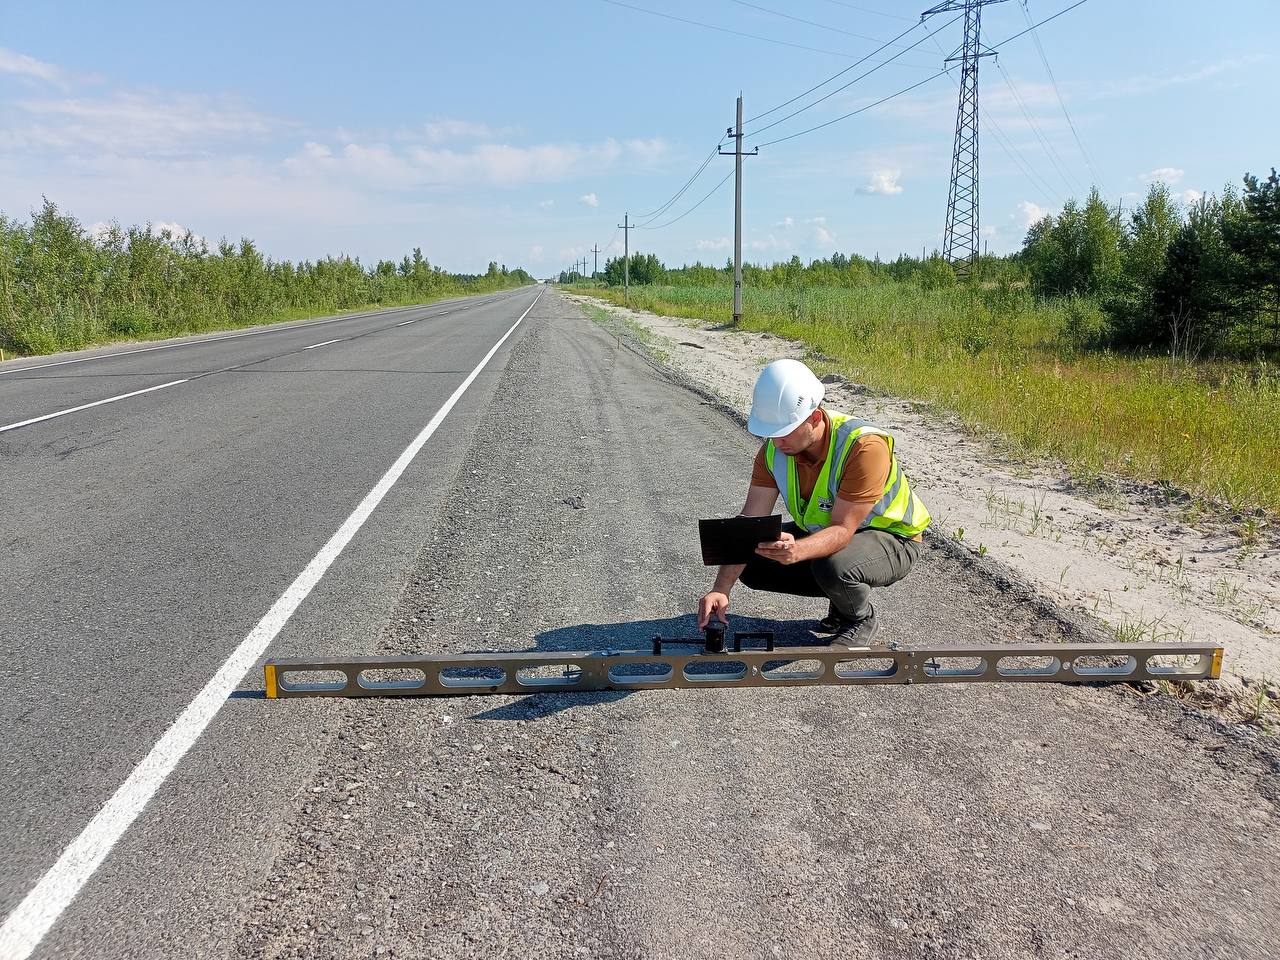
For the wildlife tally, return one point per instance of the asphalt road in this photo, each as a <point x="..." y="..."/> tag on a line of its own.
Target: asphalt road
<point x="553" y="509"/>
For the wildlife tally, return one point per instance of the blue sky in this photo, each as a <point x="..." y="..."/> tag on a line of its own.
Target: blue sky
<point x="522" y="132"/>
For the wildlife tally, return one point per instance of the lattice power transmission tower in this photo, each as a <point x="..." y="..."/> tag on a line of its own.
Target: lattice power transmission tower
<point x="960" y="244"/>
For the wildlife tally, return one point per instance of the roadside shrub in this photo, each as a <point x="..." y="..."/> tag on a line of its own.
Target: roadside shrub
<point x="971" y="328"/>
<point x="936" y="274"/>
<point x="1085" y="326"/>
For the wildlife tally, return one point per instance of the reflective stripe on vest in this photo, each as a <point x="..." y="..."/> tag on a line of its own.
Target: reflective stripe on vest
<point x="898" y="511"/>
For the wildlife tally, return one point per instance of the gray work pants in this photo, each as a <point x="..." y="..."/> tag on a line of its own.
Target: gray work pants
<point x="872" y="558"/>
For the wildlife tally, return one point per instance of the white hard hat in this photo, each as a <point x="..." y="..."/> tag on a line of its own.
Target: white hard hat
<point x="786" y="393"/>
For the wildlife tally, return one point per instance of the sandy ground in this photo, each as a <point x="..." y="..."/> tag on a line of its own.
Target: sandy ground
<point x="1130" y="554"/>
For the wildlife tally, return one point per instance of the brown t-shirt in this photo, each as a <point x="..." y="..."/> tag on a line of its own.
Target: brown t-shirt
<point x="866" y="471"/>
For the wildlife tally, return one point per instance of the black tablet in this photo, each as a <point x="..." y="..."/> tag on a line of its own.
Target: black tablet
<point x="734" y="540"/>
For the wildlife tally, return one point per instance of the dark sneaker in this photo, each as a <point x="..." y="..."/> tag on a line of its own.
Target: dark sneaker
<point x="857" y="633"/>
<point x="832" y="622"/>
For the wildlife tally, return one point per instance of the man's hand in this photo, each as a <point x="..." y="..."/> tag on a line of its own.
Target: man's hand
<point x="784" y="549"/>
<point x="714" y="604"/>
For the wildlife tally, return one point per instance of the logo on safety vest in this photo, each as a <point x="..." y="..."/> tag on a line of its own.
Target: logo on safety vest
<point x="825" y="504"/>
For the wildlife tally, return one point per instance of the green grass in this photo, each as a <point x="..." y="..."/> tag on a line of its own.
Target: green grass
<point x="1003" y="362"/>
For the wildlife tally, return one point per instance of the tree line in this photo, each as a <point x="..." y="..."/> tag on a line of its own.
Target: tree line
<point x="63" y="288"/>
<point x="838" y="270"/>
<point x="1186" y="279"/>
<point x="1204" y="276"/>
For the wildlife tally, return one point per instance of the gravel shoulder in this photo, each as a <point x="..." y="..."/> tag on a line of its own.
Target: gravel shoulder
<point x="962" y="821"/>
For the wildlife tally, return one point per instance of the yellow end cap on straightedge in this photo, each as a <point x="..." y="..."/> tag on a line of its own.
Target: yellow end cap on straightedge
<point x="269" y="671"/>
<point x="1216" y="669"/>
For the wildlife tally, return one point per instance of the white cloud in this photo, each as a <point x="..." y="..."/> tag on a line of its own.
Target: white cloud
<point x="785" y="223"/>
<point x="22" y="65"/>
<point x="490" y="164"/>
<point x="822" y="237"/>
<point x="646" y="151"/>
<point x="105" y="152"/>
<point x="1188" y="196"/>
<point x="134" y="125"/>
<point x="1169" y="175"/>
<point x="535" y="253"/>
<point x="1149" y="83"/>
<point x="768" y="243"/>
<point x="589" y="200"/>
<point x="1030" y="213"/>
<point x="176" y="232"/>
<point x="447" y="130"/>
<point x="883" y="182"/>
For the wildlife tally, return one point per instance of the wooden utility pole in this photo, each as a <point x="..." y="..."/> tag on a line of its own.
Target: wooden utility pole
<point x="737" y="154"/>
<point x="626" y="228"/>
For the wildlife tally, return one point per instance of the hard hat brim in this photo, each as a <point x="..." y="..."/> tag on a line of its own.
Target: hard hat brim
<point x="769" y="431"/>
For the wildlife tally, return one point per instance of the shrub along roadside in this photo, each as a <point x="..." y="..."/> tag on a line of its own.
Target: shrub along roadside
<point x="1000" y="359"/>
<point x="1199" y="278"/>
<point x="63" y="289"/>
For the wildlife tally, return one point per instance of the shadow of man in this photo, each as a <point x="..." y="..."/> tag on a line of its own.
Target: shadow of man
<point x="679" y="635"/>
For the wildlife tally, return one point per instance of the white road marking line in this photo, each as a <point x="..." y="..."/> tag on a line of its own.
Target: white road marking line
<point x="325" y="344"/>
<point x="27" y="925"/>
<point x="406" y="323"/>
<point x="86" y="406"/>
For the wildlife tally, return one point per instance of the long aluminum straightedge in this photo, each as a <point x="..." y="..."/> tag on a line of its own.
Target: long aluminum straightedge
<point x="758" y="666"/>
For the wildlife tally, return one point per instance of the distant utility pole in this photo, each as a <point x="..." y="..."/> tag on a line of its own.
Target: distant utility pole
<point x="736" y="152"/>
<point x="595" y="249"/>
<point x="626" y="228"/>
<point x="960" y="243"/>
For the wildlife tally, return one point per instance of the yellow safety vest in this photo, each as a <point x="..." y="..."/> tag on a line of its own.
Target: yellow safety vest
<point x="898" y="511"/>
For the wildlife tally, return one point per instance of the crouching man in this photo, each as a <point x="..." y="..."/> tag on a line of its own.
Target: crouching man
<point x="857" y="525"/>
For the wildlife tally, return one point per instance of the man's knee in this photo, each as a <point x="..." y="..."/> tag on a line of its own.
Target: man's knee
<point x="835" y="570"/>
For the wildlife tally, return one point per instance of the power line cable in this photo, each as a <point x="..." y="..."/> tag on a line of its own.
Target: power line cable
<point x="696" y="205"/>
<point x="814" y="23"/>
<point x="1026" y="12"/>
<point x="736" y="33"/>
<point x="854" y="113"/>
<point x="1051" y="152"/>
<point x="1013" y="153"/>
<point x="605" y="248"/>
<point x="846" y="86"/>
<point x="846" y="116"/>
<point x="1078" y="3"/>
<point x="816" y="86"/>
<point x="854" y="6"/>
<point x="654" y="214"/>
